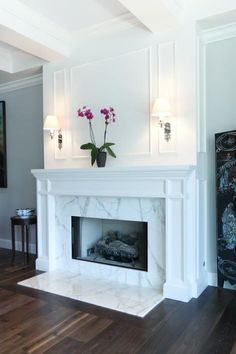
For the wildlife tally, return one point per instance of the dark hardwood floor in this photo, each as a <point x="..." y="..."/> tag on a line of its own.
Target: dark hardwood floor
<point x="36" y="322"/>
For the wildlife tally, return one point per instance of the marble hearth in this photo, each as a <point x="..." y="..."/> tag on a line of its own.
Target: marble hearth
<point x="160" y="196"/>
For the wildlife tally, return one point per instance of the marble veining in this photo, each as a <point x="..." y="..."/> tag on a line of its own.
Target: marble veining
<point x="130" y="291"/>
<point x="149" y="210"/>
<point x="130" y="299"/>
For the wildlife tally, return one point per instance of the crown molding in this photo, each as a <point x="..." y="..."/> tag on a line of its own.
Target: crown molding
<point x="218" y="33"/>
<point x="21" y="84"/>
<point x="159" y="16"/>
<point x="118" y="23"/>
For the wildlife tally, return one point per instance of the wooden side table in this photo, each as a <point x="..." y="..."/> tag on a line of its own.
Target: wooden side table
<point x="24" y="222"/>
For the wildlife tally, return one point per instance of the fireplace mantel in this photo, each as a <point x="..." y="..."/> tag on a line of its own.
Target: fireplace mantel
<point x="175" y="184"/>
<point x="151" y="182"/>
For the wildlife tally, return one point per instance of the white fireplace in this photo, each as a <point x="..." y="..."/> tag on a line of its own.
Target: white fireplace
<point x="163" y="197"/>
<point x="150" y="210"/>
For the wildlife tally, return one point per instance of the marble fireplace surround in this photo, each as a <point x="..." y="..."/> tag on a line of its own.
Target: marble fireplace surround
<point x="170" y="188"/>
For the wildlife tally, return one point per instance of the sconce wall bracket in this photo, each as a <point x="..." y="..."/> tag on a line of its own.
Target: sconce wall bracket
<point x="51" y="132"/>
<point x="60" y="140"/>
<point x="162" y="109"/>
<point x="167" y="129"/>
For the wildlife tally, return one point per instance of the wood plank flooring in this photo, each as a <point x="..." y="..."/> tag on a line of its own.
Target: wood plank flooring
<point x="37" y="322"/>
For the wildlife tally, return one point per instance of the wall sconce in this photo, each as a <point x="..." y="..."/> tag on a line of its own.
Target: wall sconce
<point x="51" y="123"/>
<point x="162" y="109"/>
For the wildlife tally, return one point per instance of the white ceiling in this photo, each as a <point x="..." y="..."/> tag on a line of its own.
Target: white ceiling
<point x="56" y="18"/>
<point x="8" y="49"/>
<point x="74" y="15"/>
<point x="16" y="64"/>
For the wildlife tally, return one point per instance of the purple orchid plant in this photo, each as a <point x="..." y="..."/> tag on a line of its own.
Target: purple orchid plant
<point x="109" y="117"/>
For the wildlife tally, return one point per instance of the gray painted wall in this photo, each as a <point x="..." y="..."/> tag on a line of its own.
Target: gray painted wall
<point x="221" y="116"/>
<point x="24" y="124"/>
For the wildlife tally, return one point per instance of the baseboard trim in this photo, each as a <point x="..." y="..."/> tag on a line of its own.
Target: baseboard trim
<point x="212" y="279"/>
<point x="180" y="292"/>
<point x="4" y="243"/>
<point x="42" y="264"/>
<point x="199" y="287"/>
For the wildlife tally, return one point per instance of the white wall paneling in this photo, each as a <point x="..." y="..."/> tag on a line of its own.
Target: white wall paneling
<point x="124" y="83"/>
<point x="127" y="71"/>
<point x="166" y="70"/>
<point x="167" y="88"/>
<point x="59" y="81"/>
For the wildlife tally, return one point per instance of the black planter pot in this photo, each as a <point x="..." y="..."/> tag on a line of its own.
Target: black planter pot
<point x="101" y="159"/>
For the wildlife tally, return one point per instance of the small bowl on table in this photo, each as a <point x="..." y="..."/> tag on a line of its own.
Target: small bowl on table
<point x="25" y="212"/>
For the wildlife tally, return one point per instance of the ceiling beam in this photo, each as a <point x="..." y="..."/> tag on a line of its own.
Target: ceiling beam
<point x="22" y="61"/>
<point x="25" y="29"/>
<point x="156" y="15"/>
<point x="5" y="62"/>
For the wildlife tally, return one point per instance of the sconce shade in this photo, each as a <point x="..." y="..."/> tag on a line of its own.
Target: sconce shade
<point x="161" y="107"/>
<point x="51" y="123"/>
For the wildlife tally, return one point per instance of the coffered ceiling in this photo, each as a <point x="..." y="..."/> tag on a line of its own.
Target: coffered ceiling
<point x="33" y="32"/>
<point x="74" y="15"/>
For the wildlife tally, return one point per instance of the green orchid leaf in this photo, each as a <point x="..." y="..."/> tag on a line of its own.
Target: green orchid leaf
<point x="94" y="153"/>
<point x="101" y="148"/>
<point x="104" y="146"/>
<point x="110" y="152"/>
<point x="108" y="144"/>
<point x="88" y="146"/>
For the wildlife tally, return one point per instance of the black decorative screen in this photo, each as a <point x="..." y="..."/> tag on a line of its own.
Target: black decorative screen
<point x="225" y="144"/>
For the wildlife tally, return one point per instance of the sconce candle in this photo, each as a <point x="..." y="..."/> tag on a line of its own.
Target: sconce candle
<point x="51" y="123"/>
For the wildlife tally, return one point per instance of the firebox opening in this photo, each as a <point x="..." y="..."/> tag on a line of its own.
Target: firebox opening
<point x="119" y="243"/>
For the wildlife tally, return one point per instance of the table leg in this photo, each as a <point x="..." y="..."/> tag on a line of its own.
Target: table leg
<point x="13" y="243"/>
<point x="36" y="240"/>
<point x="23" y="240"/>
<point x="27" y="243"/>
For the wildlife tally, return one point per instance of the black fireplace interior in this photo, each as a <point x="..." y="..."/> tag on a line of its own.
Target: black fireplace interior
<point x="119" y="243"/>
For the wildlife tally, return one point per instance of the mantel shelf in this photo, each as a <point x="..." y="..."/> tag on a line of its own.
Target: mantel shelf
<point x="142" y="172"/>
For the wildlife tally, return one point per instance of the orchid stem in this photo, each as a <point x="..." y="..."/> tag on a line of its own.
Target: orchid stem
<point x="91" y="133"/>
<point x="105" y="134"/>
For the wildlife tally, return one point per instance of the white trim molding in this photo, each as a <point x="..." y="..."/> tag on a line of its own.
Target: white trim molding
<point x="175" y="184"/>
<point x="117" y="24"/>
<point x="146" y="52"/>
<point x="212" y="279"/>
<point x="218" y="33"/>
<point x="6" y="243"/>
<point x="22" y="83"/>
